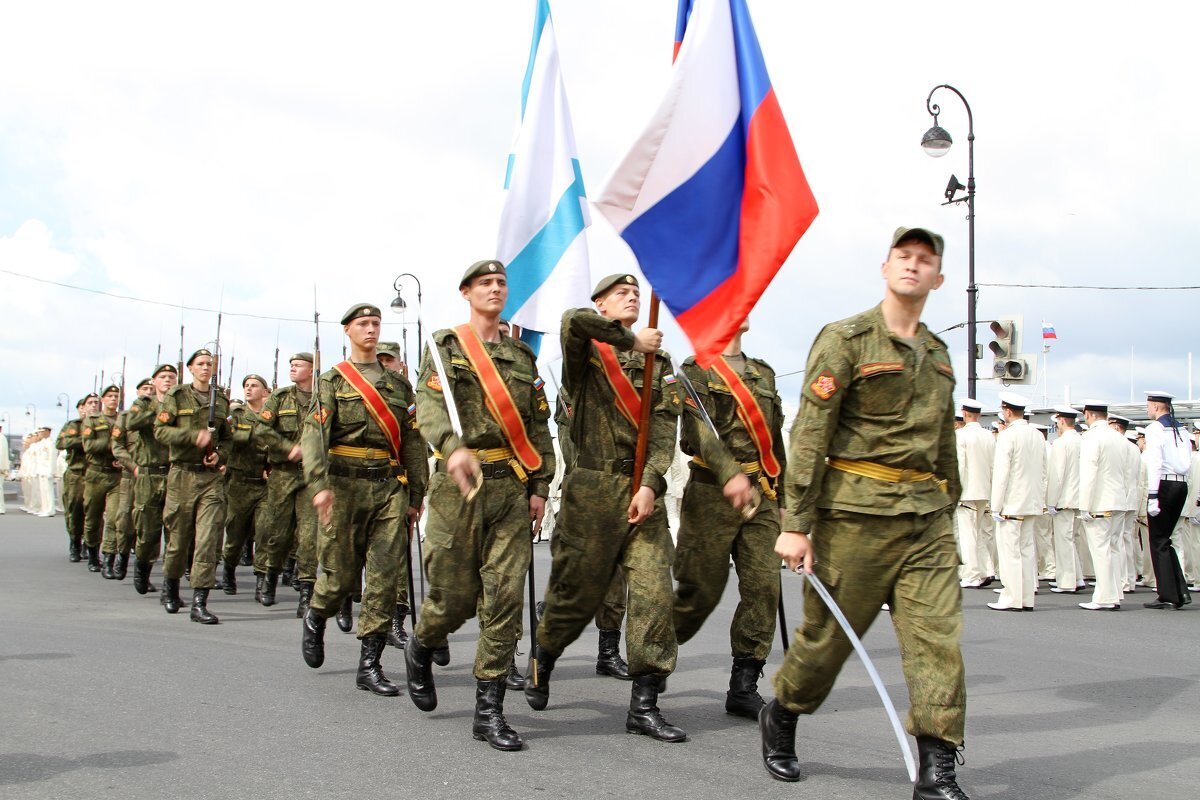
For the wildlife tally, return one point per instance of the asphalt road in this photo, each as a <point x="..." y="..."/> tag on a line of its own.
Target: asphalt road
<point x="104" y="695"/>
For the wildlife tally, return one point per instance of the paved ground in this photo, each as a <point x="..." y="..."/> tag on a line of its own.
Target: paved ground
<point x="104" y="695"/>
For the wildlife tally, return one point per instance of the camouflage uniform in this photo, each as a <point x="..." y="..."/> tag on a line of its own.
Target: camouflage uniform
<point x="101" y="484"/>
<point x="195" y="505"/>
<point x="70" y="438"/>
<point x="123" y="446"/>
<point x="477" y="552"/>
<point x="873" y="398"/>
<point x="370" y="499"/>
<point x="150" y="484"/>
<point x="245" y="486"/>
<point x="711" y="530"/>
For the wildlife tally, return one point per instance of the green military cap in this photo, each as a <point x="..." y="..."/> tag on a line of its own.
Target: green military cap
<point x="252" y="376"/>
<point x="301" y="357"/>
<point x="922" y="235"/>
<point x="203" y="351"/>
<point x="143" y="382"/>
<point x="488" y="266"/>
<point x="360" y="310"/>
<point x="612" y="280"/>
<point x="83" y="400"/>
<point x="165" y="368"/>
<point x="112" y="387"/>
<point x="388" y="349"/>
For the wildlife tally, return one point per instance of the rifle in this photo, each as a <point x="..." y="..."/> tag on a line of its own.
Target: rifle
<point x="275" y="377"/>
<point x="121" y="395"/>
<point x="212" y="393"/>
<point x="316" y="385"/>
<point x="180" y="364"/>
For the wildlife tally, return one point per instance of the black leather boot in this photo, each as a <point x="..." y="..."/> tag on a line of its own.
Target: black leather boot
<point x="289" y="572"/>
<point x="514" y="679"/>
<point x="345" y="615"/>
<point x="306" y="590"/>
<point x="141" y="576"/>
<point x="170" y="593"/>
<point x="122" y="567"/>
<point x="936" y="778"/>
<point x="270" y="581"/>
<point x="644" y="716"/>
<point x="537" y="678"/>
<point x="489" y="724"/>
<point x="248" y="554"/>
<point x="419" y="672"/>
<point x="110" y="562"/>
<point x="312" y="641"/>
<point x="370" y="671"/>
<point x="777" y="728"/>
<point x="397" y="636"/>
<point x="743" y="699"/>
<point x="258" y="587"/>
<point x="441" y="656"/>
<point x="230" y="582"/>
<point x="200" y="612"/>
<point x="608" y="656"/>
<point x="93" y="557"/>
<point x="73" y="551"/>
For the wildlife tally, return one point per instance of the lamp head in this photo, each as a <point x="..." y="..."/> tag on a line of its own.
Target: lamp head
<point x="937" y="141"/>
<point x="398" y="305"/>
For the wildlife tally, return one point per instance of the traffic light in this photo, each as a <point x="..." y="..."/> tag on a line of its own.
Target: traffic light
<point x="1008" y="365"/>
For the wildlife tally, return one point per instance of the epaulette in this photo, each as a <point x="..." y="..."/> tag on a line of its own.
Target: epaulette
<point x="852" y="326"/>
<point x="176" y="389"/>
<point x="763" y="365"/>
<point x="442" y="336"/>
<point x="935" y="337"/>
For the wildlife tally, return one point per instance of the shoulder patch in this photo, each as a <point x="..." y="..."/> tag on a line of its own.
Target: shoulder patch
<point x="116" y="431"/>
<point x="434" y="382"/>
<point x="669" y="379"/>
<point x="266" y="414"/>
<point x="71" y="431"/>
<point x="538" y="383"/>
<point x="164" y="416"/>
<point x="412" y="409"/>
<point x="826" y="385"/>
<point x="87" y="431"/>
<point x="321" y="414"/>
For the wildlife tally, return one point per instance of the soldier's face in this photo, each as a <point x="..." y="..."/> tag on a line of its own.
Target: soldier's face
<point x="254" y="391"/>
<point x="109" y="401"/>
<point x="388" y="361"/>
<point x="146" y="390"/>
<point x="487" y="294"/>
<point x="623" y="303"/>
<point x="364" y="332"/>
<point x="912" y="270"/>
<point x="92" y="405"/>
<point x="201" y="368"/>
<point x="299" y="371"/>
<point x="163" y="382"/>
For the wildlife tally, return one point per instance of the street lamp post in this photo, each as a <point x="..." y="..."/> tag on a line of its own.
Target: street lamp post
<point x="936" y="142"/>
<point x="400" y="307"/>
<point x="64" y="401"/>
<point x="31" y="411"/>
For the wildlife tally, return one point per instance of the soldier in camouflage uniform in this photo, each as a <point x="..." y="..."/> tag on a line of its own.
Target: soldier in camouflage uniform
<point x="364" y="484"/>
<point x="712" y="529"/>
<point x="126" y="447"/>
<point x="245" y="477"/>
<point x="70" y="439"/>
<point x="195" y="506"/>
<point x="478" y="547"/>
<point x="604" y="524"/>
<point x="389" y="356"/>
<point x="101" y="482"/>
<point x="286" y="519"/>
<point x="873" y="478"/>
<point x="151" y="460"/>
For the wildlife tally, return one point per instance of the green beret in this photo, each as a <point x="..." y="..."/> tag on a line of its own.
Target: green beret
<point x="388" y="349"/>
<point x="301" y="357"/>
<point x="487" y="267"/>
<point x="112" y="387"/>
<point x="252" y="376"/>
<point x="165" y="368"/>
<point x="920" y="234"/>
<point x="203" y="351"/>
<point x="144" y="382"/>
<point x="360" y="310"/>
<point x="612" y="280"/>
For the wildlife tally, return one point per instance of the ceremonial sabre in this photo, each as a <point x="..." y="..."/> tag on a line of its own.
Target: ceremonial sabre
<point x="901" y="736"/>
<point x="451" y="406"/>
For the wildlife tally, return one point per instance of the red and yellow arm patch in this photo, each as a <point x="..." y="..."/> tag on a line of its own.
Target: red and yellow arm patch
<point x="825" y="386"/>
<point x="266" y="415"/>
<point x="164" y="417"/>
<point x="321" y="415"/>
<point x="434" y="382"/>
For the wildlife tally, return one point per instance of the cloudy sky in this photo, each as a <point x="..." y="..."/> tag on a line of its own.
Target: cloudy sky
<point x="236" y="154"/>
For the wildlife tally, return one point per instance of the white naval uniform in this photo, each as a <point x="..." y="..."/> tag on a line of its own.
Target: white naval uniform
<point x="1062" y="493"/>
<point x="1043" y="529"/>
<point x="976" y="449"/>
<point x="1102" y="489"/>
<point x="45" y="477"/>
<point x="1131" y="556"/>
<point x="5" y="466"/>
<point x="1018" y="496"/>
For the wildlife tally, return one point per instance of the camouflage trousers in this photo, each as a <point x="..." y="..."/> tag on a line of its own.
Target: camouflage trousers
<point x="365" y="533"/>
<point x="476" y="556"/>
<point x="710" y="532"/>
<point x="910" y="562"/>
<point x="101" y="497"/>
<point x="286" y="522"/>
<point x="194" y="516"/>
<point x="243" y="496"/>
<point x="612" y="609"/>
<point x="73" y="513"/>
<point x="121" y="540"/>
<point x="149" y="497"/>
<point x="592" y="542"/>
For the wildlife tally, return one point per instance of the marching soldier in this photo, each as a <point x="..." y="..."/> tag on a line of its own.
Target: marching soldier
<point x="286" y="519"/>
<point x="101" y="482"/>
<point x="607" y="524"/>
<point x="878" y="404"/>
<point x="195" y="506"/>
<point x="976" y="450"/>
<point x="1018" y="498"/>
<point x="245" y="477"/>
<point x="127" y="447"/>
<point x="70" y="439"/>
<point x="1126" y="519"/>
<point x="1168" y="457"/>
<point x="490" y="487"/>
<point x="1062" y="501"/>
<point x="1102" y="492"/>
<point x="364" y="461"/>
<point x="739" y="396"/>
<point x="151" y="465"/>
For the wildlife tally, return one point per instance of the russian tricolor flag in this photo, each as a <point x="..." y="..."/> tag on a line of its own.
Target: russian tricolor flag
<point x="712" y="197"/>
<point x="1048" y="331"/>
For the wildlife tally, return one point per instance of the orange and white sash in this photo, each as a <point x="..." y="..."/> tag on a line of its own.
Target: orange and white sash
<point x="499" y="400"/>
<point x="377" y="407"/>
<point x="629" y="402"/>
<point x="751" y="415"/>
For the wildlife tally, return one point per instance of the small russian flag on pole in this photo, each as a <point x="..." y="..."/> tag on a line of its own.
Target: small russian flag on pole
<point x="1048" y="331"/>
